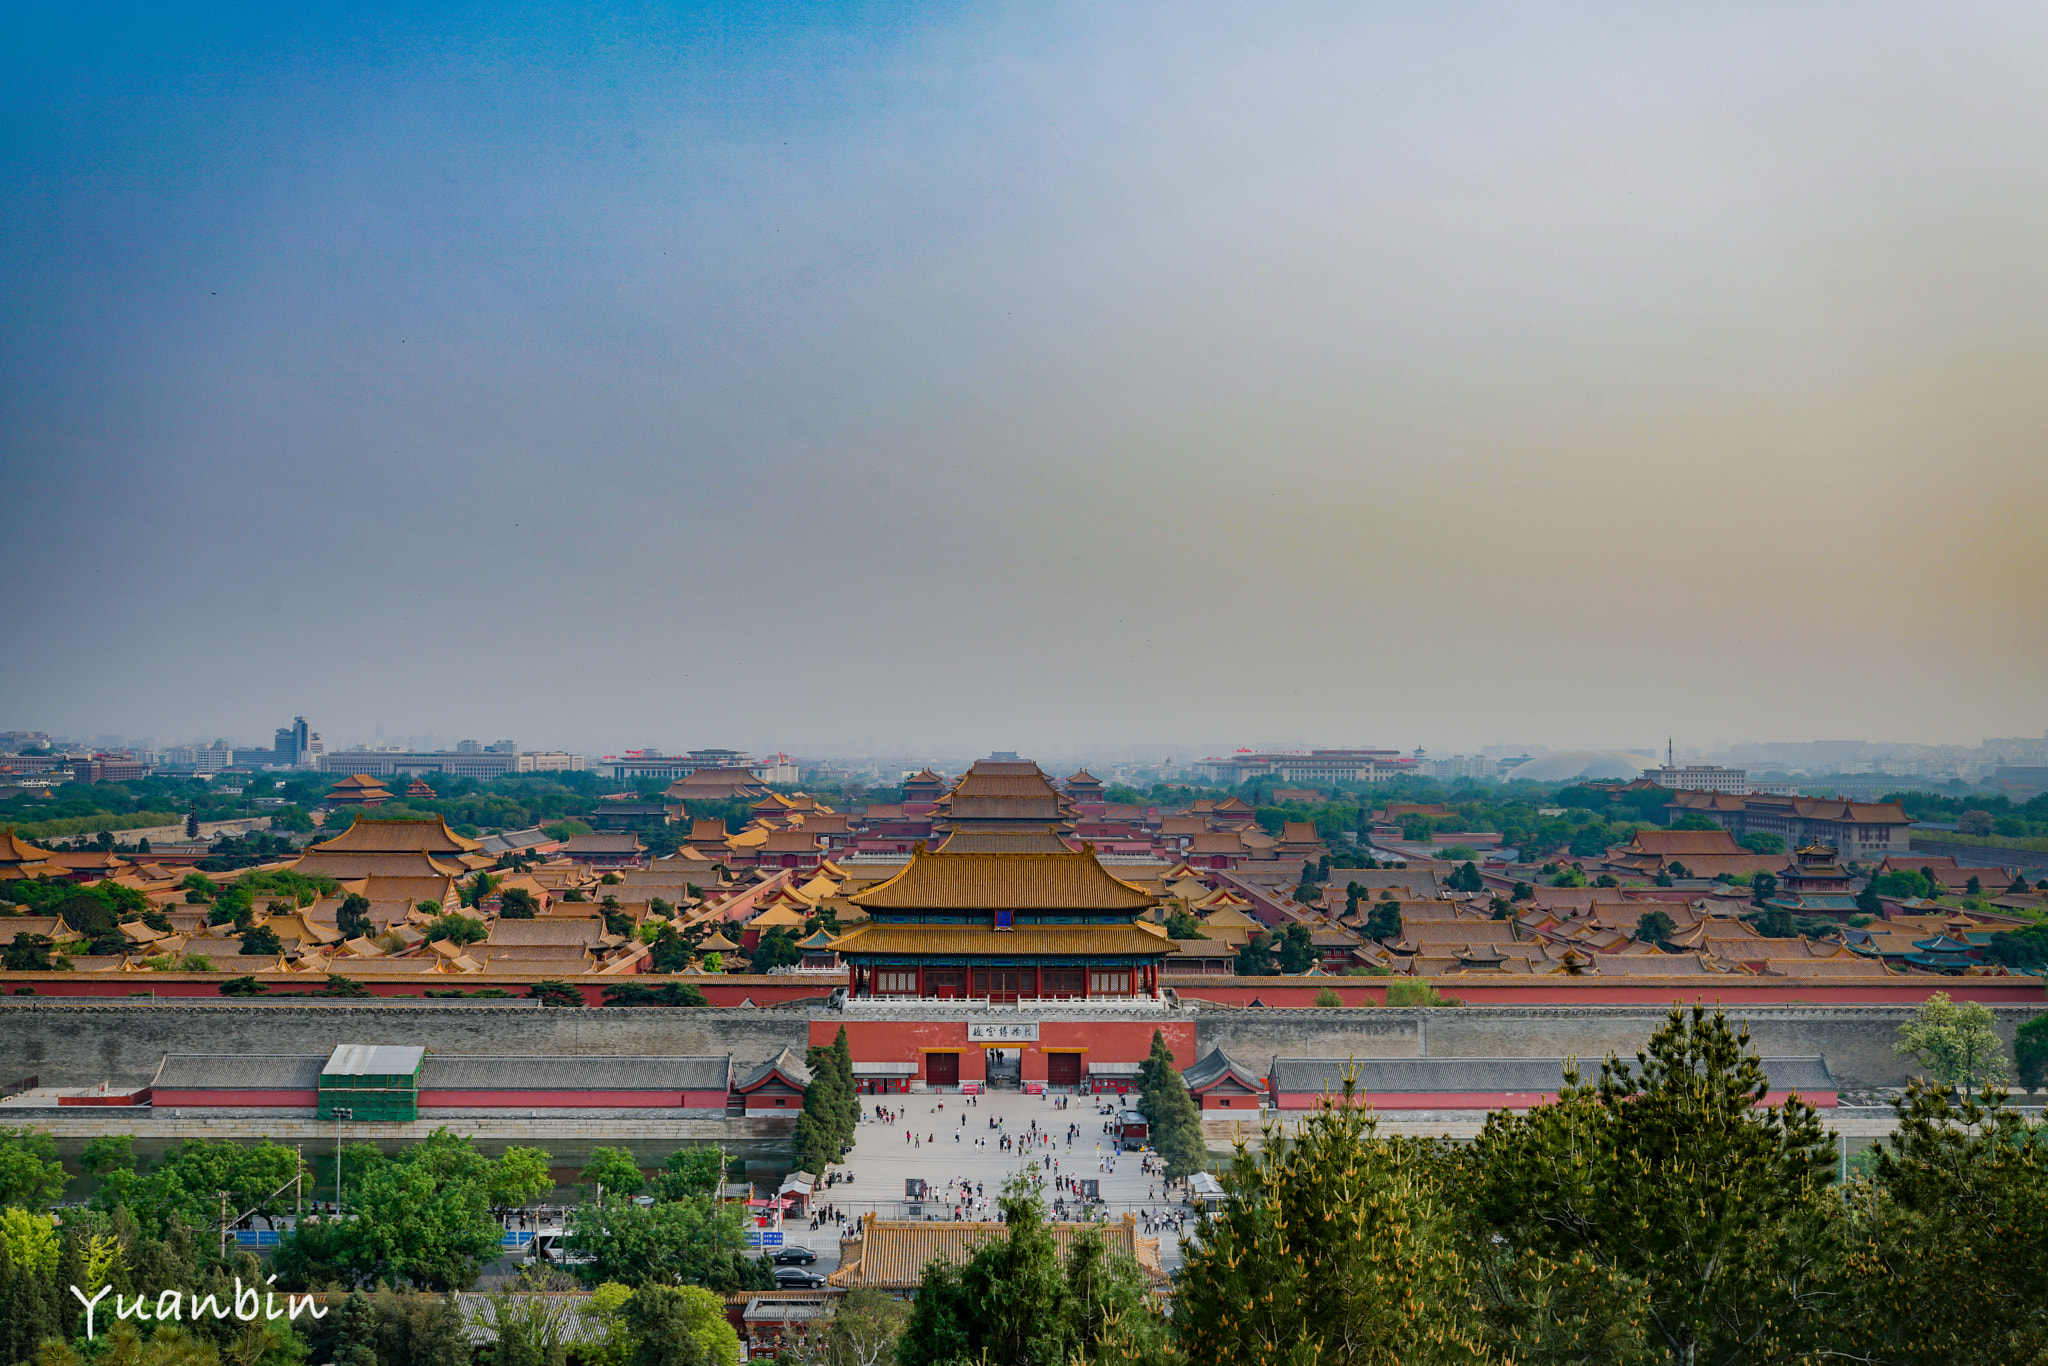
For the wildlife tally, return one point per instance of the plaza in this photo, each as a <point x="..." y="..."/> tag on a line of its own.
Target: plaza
<point x="943" y="1153"/>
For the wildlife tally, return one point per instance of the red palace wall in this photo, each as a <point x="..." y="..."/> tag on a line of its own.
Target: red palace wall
<point x="1096" y="1040"/>
<point x="240" y="1100"/>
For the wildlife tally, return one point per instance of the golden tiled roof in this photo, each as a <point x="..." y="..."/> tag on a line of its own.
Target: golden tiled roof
<point x="1063" y="881"/>
<point x="370" y="836"/>
<point x="1026" y="940"/>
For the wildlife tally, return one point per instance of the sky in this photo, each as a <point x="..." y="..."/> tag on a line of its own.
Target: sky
<point x="1038" y="376"/>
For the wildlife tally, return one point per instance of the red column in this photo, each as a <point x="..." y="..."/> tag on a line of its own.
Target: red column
<point x="920" y="979"/>
<point x="1038" y="980"/>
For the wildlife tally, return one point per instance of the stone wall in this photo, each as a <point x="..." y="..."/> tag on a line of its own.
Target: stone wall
<point x="82" y="1045"/>
<point x="1856" y="1040"/>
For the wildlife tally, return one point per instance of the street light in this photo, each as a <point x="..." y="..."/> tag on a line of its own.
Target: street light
<point x="341" y="1112"/>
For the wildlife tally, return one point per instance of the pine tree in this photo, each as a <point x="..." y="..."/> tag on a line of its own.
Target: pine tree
<point x="1332" y="1247"/>
<point x="1170" y="1112"/>
<point x="842" y="1062"/>
<point x="1707" y="1210"/>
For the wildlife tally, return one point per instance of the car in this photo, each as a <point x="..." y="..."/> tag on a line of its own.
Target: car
<point x="796" y="1278"/>
<point x="794" y="1256"/>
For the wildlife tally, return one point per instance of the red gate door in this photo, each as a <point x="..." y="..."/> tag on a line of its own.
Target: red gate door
<point x="942" y="1069"/>
<point x="1063" y="1069"/>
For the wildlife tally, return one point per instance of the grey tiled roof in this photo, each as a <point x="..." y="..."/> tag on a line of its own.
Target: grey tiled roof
<point x="1218" y="1064"/>
<point x="500" y="1072"/>
<point x="240" y="1071"/>
<point x="1296" y="1076"/>
<point x="785" y="1062"/>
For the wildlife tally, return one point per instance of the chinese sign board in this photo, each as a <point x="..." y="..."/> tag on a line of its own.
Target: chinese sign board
<point x="1012" y="1032"/>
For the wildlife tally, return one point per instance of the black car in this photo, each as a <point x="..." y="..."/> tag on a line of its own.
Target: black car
<point x="796" y="1278"/>
<point x="794" y="1256"/>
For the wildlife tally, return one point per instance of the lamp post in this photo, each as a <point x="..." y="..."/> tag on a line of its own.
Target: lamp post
<point x="341" y="1112"/>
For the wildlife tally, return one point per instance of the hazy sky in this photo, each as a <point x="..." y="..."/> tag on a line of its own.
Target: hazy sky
<point x="1036" y="376"/>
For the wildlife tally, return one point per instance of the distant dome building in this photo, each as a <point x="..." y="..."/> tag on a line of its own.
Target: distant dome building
<point x="1597" y="765"/>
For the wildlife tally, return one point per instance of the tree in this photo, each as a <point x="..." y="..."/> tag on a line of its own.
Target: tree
<point x="553" y="991"/>
<point x="1693" y="820"/>
<point x="671" y="1242"/>
<point x="28" y="953"/>
<point x="1465" y="878"/>
<point x="1255" y="956"/>
<point x="1957" y="1043"/>
<point x="533" y="1323"/>
<point x="423" y="1218"/>
<point x="1762" y="887"/>
<point x="1183" y="926"/>
<point x="1867" y="902"/>
<point x="1170" y="1112"/>
<point x="1663" y="1193"/>
<point x="30" y="1174"/>
<point x="242" y="986"/>
<point x="1763" y="842"/>
<point x="457" y="929"/>
<point x="1974" y="887"/>
<point x="516" y="903"/>
<point x="691" y="1174"/>
<point x="1522" y="892"/>
<point x="352" y="917"/>
<point x="831" y="1109"/>
<point x="864" y="1330"/>
<point x="520" y="1176"/>
<point x="1941" y="1272"/>
<point x="680" y="1325"/>
<point x="1571" y="875"/>
<point x="106" y="1153"/>
<point x="1655" y="927"/>
<point x="1012" y="1301"/>
<point x="1297" y="950"/>
<point x="2030" y="1053"/>
<point x="1333" y="1246"/>
<point x="615" y="1170"/>
<point x="775" y="949"/>
<point x="1327" y="997"/>
<point x="1974" y="822"/>
<point x="185" y="1184"/>
<point x="1383" y="922"/>
<point x="261" y="941"/>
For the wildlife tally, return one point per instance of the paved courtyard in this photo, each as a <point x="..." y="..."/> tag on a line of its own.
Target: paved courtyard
<point x="945" y="1153"/>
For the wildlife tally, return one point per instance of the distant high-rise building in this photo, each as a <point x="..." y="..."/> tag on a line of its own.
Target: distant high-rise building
<point x="469" y="747"/>
<point x="295" y="746"/>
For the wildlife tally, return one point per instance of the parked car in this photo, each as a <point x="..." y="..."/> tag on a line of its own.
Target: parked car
<point x="796" y="1278"/>
<point x="793" y="1255"/>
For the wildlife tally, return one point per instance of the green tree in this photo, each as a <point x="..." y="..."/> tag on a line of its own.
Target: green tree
<point x="680" y="1325"/>
<point x="1180" y="925"/>
<point x="615" y="1170"/>
<point x="775" y="949"/>
<point x="1383" y="922"/>
<point x="1522" y="892"/>
<point x="2030" y="1053"/>
<point x="1333" y="1246"/>
<point x="520" y="1176"/>
<point x="671" y="1242"/>
<point x="1664" y="1190"/>
<point x="423" y="1218"/>
<point x="1957" y="1042"/>
<point x="516" y="903"/>
<point x="1297" y="949"/>
<point x="1327" y="997"/>
<point x="30" y="1174"/>
<point x="28" y="953"/>
<point x="242" y="986"/>
<point x="352" y="917"/>
<point x="691" y="1174"/>
<point x="1255" y="956"/>
<point x="1655" y="927"/>
<point x="1947" y="1264"/>
<point x="1762" y="842"/>
<point x="825" y="1127"/>
<point x="1170" y="1112"/>
<point x="864" y="1329"/>
<point x="105" y="1153"/>
<point x="1762" y="887"/>
<point x="261" y="942"/>
<point x="1014" y="1301"/>
<point x="553" y="991"/>
<point x="457" y="929"/>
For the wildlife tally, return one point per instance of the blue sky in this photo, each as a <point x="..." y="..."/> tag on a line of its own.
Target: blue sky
<point x="1028" y="375"/>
